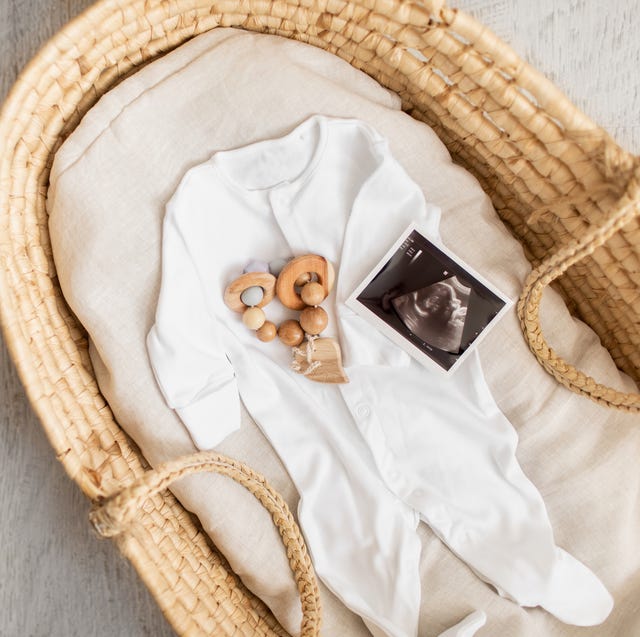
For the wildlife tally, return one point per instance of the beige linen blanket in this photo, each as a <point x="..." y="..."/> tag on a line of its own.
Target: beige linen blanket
<point x="224" y="89"/>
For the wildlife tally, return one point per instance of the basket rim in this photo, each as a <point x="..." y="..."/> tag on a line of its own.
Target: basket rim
<point x="64" y="46"/>
<point x="26" y="98"/>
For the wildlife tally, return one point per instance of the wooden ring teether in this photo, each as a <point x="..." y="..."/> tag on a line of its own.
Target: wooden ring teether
<point x="232" y="293"/>
<point x="302" y="284"/>
<point x="285" y="285"/>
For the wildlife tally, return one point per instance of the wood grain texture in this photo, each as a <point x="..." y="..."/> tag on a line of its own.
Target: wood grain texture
<point x="56" y="579"/>
<point x="293" y="274"/>
<point x="234" y="290"/>
<point x="324" y="357"/>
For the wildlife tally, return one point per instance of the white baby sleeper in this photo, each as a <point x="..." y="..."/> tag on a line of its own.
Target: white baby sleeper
<point x="468" y="626"/>
<point x="399" y="443"/>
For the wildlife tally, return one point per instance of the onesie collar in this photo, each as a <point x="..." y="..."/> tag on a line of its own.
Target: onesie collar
<point x="361" y="344"/>
<point x="235" y="166"/>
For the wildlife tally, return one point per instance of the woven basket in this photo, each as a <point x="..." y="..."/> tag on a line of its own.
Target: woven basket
<point x="558" y="181"/>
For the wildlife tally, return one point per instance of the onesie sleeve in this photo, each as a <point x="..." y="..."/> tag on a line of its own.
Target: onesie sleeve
<point x="185" y="350"/>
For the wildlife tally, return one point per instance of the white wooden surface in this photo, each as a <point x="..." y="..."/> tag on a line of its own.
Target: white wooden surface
<point x="56" y="578"/>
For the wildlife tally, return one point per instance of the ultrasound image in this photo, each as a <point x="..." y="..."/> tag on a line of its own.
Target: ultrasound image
<point x="430" y="299"/>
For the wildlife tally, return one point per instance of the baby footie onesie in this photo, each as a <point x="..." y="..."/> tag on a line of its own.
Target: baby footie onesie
<point x="399" y="443"/>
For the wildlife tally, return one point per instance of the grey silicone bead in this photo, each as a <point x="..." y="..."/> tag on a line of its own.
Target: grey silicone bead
<point x="275" y="266"/>
<point x="255" y="265"/>
<point x="252" y="296"/>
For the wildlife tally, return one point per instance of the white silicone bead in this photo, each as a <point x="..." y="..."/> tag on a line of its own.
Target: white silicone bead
<point x="252" y="296"/>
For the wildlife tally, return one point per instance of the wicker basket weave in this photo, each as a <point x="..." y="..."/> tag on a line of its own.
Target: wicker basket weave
<point x="559" y="182"/>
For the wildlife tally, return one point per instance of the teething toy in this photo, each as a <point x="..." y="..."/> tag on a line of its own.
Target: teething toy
<point x="302" y="284"/>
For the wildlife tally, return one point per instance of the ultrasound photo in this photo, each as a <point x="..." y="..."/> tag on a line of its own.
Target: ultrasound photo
<point x="436" y="313"/>
<point x="427" y="301"/>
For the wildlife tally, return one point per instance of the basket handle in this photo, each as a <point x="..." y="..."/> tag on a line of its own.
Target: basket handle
<point x="627" y="208"/>
<point x="111" y="516"/>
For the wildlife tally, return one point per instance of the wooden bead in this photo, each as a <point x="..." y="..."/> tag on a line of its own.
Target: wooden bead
<point x="291" y="333"/>
<point x="267" y="332"/>
<point x="308" y="263"/>
<point x="313" y="320"/>
<point x="303" y="279"/>
<point x="235" y="289"/>
<point x="254" y="318"/>
<point x="312" y="293"/>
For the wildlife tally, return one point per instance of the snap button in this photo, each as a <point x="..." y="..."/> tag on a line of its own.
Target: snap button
<point x="363" y="411"/>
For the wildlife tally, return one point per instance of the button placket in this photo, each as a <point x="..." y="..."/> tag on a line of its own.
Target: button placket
<point x="367" y="421"/>
<point x="280" y="203"/>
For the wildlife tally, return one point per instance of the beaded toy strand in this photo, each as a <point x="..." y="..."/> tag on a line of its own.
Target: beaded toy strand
<point x="320" y="359"/>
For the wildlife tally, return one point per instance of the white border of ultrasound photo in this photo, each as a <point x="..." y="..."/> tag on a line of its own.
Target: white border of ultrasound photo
<point x="412" y="349"/>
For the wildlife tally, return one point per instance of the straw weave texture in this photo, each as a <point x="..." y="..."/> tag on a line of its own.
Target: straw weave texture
<point x="563" y="187"/>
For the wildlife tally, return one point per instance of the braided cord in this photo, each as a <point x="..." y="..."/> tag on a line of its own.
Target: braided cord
<point x="557" y="264"/>
<point x="112" y="516"/>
